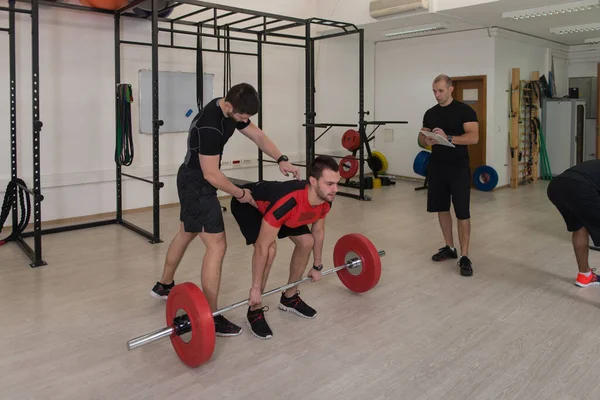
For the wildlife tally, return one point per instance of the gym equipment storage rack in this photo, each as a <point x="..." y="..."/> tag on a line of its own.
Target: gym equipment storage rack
<point x="221" y="23"/>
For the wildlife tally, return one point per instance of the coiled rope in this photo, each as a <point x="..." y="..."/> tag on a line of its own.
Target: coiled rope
<point x="10" y="198"/>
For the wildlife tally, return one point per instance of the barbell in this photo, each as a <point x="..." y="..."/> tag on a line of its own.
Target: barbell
<point x="188" y="311"/>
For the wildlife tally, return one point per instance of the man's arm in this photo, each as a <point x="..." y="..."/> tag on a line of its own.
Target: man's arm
<point x="214" y="176"/>
<point x="263" y="142"/>
<point x="318" y="232"/>
<point x="423" y="138"/>
<point x="471" y="135"/>
<point x="266" y="237"/>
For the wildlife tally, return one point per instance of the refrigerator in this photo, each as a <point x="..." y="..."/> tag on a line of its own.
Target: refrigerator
<point x="563" y="126"/>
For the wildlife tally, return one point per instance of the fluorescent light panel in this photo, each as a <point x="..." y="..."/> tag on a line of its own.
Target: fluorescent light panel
<point x="414" y="29"/>
<point x="564" y="30"/>
<point x="566" y="8"/>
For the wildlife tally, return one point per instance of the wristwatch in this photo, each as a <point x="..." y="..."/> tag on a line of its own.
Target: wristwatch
<point x="449" y="138"/>
<point x="318" y="267"/>
<point x="282" y="158"/>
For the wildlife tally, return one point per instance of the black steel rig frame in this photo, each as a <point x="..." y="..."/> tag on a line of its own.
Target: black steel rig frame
<point x="222" y="23"/>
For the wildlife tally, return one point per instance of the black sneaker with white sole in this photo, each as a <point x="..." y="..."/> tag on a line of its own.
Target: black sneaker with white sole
<point x="161" y="291"/>
<point x="258" y="324"/>
<point x="226" y="328"/>
<point x="296" y="305"/>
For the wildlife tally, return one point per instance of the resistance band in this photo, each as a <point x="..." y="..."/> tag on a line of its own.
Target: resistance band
<point x="10" y="199"/>
<point x="124" y="144"/>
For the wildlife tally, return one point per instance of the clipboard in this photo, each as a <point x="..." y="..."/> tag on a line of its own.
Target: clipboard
<point x="438" y="139"/>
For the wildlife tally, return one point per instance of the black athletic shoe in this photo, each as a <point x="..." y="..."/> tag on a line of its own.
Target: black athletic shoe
<point x="465" y="266"/>
<point x="296" y="305"/>
<point x="161" y="291"/>
<point x="225" y="328"/>
<point x="258" y="324"/>
<point x="444" y="253"/>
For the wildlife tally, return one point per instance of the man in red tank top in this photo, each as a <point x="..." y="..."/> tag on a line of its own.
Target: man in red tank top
<point x="285" y="209"/>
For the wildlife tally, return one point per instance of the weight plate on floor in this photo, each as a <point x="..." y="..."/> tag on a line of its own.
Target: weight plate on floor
<point x="200" y="347"/>
<point x="370" y="270"/>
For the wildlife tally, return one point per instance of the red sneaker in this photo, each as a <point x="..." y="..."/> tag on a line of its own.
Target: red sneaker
<point x="585" y="281"/>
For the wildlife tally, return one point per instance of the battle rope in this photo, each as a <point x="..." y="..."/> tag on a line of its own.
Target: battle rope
<point x="124" y="144"/>
<point x="10" y="198"/>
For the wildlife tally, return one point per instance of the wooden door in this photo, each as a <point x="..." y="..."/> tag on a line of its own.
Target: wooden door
<point x="472" y="90"/>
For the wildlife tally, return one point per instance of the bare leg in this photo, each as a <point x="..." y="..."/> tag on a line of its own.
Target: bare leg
<point x="216" y="245"/>
<point x="464" y="234"/>
<point x="175" y="253"/>
<point x="581" y="242"/>
<point x="446" y="225"/>
<point x="300" y="256"/>
<point x="270" y="259"/>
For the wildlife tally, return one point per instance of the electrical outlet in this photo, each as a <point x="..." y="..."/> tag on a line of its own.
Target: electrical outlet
<point x="388" y="135"/>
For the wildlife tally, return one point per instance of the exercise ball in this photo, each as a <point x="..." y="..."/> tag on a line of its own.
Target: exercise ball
<point x="105" y="4"/>
<point x="144" y="9"/>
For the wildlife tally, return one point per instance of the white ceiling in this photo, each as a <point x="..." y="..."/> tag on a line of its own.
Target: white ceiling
<point x="490" y="15"/>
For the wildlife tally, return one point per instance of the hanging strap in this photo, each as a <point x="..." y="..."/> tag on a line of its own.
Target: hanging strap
<point x="124" y="141"/>
<point x="10" y="198"/>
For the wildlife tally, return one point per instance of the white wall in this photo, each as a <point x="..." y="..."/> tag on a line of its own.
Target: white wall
<point x="352" y="11"/>
<point x="404" y="71"/>
<point x="583" y="61"/>
<point x="406" y="68"/>
<point x="77" y="107"/>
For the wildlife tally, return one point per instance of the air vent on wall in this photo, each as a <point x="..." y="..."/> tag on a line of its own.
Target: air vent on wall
<point x="384" y="8"/>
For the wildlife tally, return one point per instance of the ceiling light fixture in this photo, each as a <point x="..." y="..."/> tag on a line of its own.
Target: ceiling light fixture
<point x="566" y="8"/>
<point x="592" y="40"/>
<point x="415" y="29"/>
<point x="564" y="30"/>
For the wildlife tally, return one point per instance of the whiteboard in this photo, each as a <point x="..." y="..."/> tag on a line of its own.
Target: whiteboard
<point x="177" y="104"/>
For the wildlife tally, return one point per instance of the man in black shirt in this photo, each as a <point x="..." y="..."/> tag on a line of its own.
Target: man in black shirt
<point x="576" y="195"/>
<point x="199" y="178"/>
<point x="449" y="173"/>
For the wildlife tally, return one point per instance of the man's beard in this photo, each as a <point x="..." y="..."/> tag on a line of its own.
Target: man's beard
<point x="321" y="196"/>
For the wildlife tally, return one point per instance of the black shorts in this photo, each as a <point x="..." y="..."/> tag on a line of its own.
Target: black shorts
<point x="447" y="183"/>
<point x="579" y="204"/>
<point x="200" y="208"/>
<point x="249" y="219"/>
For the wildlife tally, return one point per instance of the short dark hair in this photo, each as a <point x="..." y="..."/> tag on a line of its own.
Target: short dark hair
<point x="244" y="99"/>
<point x="320" y="164"/>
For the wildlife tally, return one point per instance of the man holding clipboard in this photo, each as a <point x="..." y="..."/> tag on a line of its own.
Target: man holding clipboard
<point x="453" y="126"/>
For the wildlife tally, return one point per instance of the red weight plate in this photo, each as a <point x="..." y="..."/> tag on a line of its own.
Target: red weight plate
<point x="189" y="298"/>
<point x="370" y="273"/>
<point x="348" y="167"/>
<point x="351" y="140"/>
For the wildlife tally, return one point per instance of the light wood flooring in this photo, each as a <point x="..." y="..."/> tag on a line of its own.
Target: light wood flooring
<point x="518" y="329"/>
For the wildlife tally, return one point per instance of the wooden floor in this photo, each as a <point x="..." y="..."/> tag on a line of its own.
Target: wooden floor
<point x="517" y="329"/>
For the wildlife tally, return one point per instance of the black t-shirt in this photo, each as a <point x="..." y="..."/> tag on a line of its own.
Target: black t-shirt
<point x="588" y="171"/>
<point x="450" y="119"/>
<point x="209" y="132"/>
